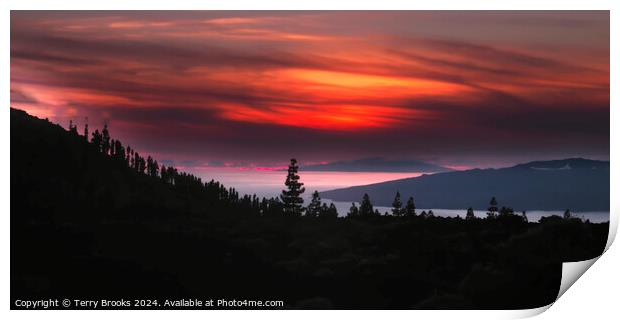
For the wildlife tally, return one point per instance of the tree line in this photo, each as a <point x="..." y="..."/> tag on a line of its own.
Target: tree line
<point x="292" y="202"/>
<point x="289" y="203"/>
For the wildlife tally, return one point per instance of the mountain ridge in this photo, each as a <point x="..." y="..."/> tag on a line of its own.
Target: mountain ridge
<point x="377" y="164"/>
<point x="572" y="183"/>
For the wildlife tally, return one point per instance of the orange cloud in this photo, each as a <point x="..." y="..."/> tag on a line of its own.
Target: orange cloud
<point x="236" y="20"/>
<point x="325" y="117"/>
<point x="366" y="84"/>
<point x="289" y="70"/>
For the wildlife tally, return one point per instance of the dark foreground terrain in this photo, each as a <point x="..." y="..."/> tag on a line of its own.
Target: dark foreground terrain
<point x="89" y="221"/>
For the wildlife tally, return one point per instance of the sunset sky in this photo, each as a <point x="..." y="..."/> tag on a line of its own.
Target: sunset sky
<point x="252" y="89"/>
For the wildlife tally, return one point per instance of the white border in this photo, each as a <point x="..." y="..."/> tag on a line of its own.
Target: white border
<point x="595" y="294"/>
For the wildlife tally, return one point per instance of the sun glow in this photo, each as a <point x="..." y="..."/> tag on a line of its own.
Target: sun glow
<point x="290" y="70"/>
<point x="325" y="117"/>
<point x="334" y="100"/>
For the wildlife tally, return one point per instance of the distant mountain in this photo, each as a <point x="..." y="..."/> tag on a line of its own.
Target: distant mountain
<point x="577" y="184"/>
<point x="376" y="165"/>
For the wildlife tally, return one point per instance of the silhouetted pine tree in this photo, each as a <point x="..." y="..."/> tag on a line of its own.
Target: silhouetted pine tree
<point x="410" y="208"/>
<point x="314" y="208"/>
<point x="567" y="214"/>
<point x="72" y="128"/>
<point x="323" y="210"/>
<point x="155" y="172"/>
<point x="524" y="216"/>
<point x="492" y="211"/>
<point x="139" y="163"/>
<point x="142" y="166"/>
<point x="291" y="197"/>
<point x="132" y="159"/>
<point x="119" y="151"/>
<point x="397" y="205"/>
<point x="366" y="209"/>
<point x="353" y="211"/>
<point x="128" y="155"/>
<point x="136" y="161"/>
<point x="505" y="211"/>
<point x="105" y="139"/>
<point x="470" y="214"/>
<point x="97" y="140"/>
<point x="112" y="149"/>
<point x="86" y="129"/>
<point x="163" y="174"/>
<point x="172" y="173"/>
<point x="150" y="166"/>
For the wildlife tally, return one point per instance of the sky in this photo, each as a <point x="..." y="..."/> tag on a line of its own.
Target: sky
<point x="251" y="89"/>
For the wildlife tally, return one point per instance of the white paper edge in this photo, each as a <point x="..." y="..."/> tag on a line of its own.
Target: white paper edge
<point x="571" y="268"/>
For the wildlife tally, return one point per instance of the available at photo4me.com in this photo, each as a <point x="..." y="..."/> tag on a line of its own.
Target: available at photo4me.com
<point x="146" y="304"/>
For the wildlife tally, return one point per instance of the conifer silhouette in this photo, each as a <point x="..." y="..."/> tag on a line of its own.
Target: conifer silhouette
<point x="366" y="208"/>
<point x="86" y="128"/>
<point x="353" y="211"/>
<point x="105" y="139"/>
<point x="314" y="208"/>
<point x="397" y="205"/>
<point x="410" y="208"/>
<point x="470" y="214"/>
<point x="291" y="197"/>
<point x="492" y="211"/>
<point x="97" y="140"/>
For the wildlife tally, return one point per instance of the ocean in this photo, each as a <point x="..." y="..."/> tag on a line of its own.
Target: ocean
<point x="269" y="183"/>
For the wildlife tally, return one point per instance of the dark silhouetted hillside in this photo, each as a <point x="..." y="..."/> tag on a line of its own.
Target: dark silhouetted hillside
<point x="578" y="184"/>
<point x="96" y="220"/>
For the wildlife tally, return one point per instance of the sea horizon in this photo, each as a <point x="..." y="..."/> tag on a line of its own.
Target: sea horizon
<point x="270" y="183"/>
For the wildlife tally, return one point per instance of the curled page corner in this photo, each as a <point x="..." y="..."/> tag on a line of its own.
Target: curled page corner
<point x="528" y="313"/>
<point x="571" y="271"/>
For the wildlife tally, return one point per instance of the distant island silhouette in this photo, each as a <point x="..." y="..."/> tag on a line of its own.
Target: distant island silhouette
<point x="377" y="164"/>
<point x="576" y="183"/>
<point x="92" y="217"/>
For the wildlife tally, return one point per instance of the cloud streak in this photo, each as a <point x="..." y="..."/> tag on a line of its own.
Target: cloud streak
<point x="343" y="84"/>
